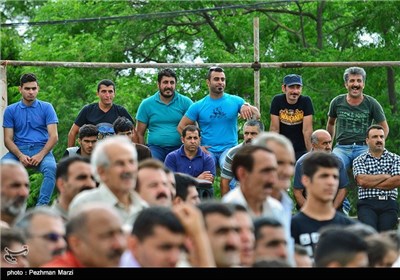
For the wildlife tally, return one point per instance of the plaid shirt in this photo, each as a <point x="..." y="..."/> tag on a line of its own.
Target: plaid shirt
<point x="388" y="163"/>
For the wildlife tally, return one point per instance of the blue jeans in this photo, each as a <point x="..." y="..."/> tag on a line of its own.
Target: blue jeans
<point x="161" y="153"/>
<point x="47" y="167"/>
<point x="348" y="153"/>
<point x="219" y="157"/>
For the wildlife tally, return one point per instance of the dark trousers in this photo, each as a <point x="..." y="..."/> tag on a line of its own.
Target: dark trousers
<point x="380" y="214"/>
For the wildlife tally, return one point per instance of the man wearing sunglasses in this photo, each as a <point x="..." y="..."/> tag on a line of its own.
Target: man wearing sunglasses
<point x="216" y="115"/>
<point x="44" y="233"/>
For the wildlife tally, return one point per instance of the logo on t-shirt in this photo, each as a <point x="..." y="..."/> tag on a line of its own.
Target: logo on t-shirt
<point x="291" y="117"/>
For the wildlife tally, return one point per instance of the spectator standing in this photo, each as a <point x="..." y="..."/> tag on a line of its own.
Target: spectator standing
<point x="189" y="158"/>
<point x="292" y="114"/>
<point x="377" y="173"/>
<point x="351" y="114"/>
<point x="216" y="115"/>
<point x="102" y="113"/>
<point x="30" y="134"/>
<point x="160" y="114"/>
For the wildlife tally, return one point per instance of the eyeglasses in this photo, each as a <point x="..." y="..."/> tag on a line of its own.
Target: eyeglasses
<point x="52" y="236"/>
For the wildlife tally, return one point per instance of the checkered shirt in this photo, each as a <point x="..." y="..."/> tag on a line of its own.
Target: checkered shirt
<point x="388" y="163"/>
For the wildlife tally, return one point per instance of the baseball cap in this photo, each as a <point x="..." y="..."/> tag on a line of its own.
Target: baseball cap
<point x="292" y="79"/>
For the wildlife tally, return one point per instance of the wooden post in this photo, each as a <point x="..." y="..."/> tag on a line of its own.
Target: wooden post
<point x="4" y="103"/>
<point x="256" y="27"/>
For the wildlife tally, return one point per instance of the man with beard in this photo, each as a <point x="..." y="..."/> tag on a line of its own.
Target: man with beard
<point x="377" y="173"/>
<point x="114" y="164"/>
<point x="160" y="115"/>
<point x="73" y="176"/>
<point x="292" y="114"/>
<point x="102" y="113"/>
<point x="321" y="141"/>
<point x="217" y="116"/>
<point x="189" y="158"/>
<point x="250" y="130"/>
<point x="14" y="190"/>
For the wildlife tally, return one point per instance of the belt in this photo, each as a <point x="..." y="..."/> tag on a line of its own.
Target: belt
<point x="361" y="143"/>
<point x="380" y="197"/>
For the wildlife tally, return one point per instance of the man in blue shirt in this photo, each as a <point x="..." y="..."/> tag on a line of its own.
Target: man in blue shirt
<point x="189" y="158"/>
<point x="30" y="133"/>
<point x="160" y="115"/>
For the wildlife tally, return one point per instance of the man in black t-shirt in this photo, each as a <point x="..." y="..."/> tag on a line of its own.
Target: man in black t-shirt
<point x="103" y="111"/>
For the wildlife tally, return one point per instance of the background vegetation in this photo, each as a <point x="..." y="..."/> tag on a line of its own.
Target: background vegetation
<point x="201" y="31"/>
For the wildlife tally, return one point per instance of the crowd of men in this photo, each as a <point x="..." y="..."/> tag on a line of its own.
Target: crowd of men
<point x="129" y="194"/>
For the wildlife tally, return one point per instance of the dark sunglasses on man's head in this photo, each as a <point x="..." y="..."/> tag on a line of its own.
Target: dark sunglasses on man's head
<point x="215" y="68"/>
<point x="51" y="236"/>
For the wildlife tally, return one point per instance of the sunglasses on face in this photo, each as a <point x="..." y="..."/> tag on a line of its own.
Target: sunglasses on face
<point x="52" y="236"/>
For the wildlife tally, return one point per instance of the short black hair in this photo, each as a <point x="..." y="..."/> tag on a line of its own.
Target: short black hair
<point x="122" y="124"/>
<point x="214" y="69"/>
<point x="27" y="78"/>
<point x="167" y="73"/>
<point x="105" y="82"/>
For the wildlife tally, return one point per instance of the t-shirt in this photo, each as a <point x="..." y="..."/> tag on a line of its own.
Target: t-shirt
<point x="353" y="121"/>
<point x="291" y="118"/>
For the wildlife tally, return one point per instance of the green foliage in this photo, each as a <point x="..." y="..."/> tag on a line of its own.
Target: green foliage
<point x="289" y="31"/>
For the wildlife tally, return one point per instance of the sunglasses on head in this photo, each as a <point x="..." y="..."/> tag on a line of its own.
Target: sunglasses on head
<point x="215" y="68"/>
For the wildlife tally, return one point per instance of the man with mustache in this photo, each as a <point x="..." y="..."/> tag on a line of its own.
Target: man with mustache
<point x="351" y="114"/>
<point x="255" y="168"/>
<point x="30" y="134"/>
<point x="102" y="113"/>
<point x="95" y="238"/>
<point x="73" y="176"/>
<point x="114" y="164"/>
<point x="377" y="173"/>
<point x="160" y="114"/>
<point x="250" y="130"/>
<point x="14" y="190"/>
<point x="152" y="183"/>
<point x="223" y="232"/>
<point x="189" y="158"/>
<point x="292" y="114"/>
<point x="44" y="233"/>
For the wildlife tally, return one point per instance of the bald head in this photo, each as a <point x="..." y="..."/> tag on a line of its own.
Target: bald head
<point x="321" y="140"/>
